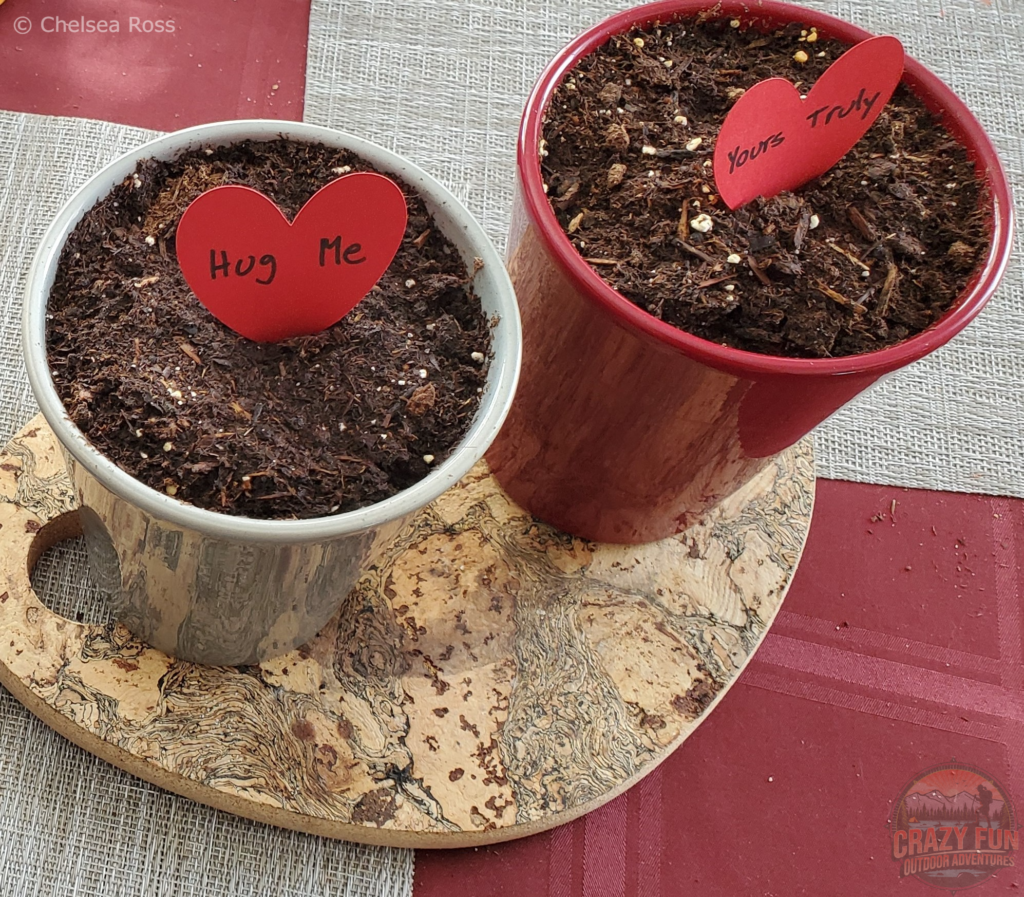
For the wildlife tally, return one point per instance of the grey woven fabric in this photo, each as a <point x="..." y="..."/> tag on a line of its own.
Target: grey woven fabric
<point x="444" y="84"/>
<point x="71" y="824"/>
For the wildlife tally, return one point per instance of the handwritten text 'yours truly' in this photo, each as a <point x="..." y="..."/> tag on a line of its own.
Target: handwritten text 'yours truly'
<point x="824" y="116"/>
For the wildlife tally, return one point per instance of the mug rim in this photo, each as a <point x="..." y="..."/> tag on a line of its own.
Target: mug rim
<point x="496" y="399"/>
<point x="955" y="116"/>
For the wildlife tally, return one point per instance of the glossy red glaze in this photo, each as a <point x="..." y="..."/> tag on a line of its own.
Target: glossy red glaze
<point x="626" y="429"/>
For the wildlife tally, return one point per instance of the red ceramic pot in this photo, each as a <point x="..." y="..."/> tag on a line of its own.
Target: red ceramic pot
<point x="626" y="429"/>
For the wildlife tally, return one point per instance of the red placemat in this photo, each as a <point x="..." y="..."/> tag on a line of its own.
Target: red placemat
<point x="899" y="647"/>
<point x="240" y="59"/>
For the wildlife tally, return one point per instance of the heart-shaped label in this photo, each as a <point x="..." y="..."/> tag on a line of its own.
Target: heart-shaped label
<point x="774" y="140"/>
<point x="269" y="279"/>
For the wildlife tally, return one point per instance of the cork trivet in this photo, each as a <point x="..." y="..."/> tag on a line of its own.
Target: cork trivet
<point x="489" y="679"/>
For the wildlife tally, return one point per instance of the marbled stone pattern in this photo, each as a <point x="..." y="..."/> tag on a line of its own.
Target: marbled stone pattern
<point x="489" y="678"/>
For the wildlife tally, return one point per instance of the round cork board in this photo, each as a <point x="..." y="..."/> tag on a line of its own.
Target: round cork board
<point x="489" y="679"/>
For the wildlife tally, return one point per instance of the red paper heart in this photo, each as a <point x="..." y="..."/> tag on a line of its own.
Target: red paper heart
<point x="269" y="279"/>
<point x="772" y="140"/>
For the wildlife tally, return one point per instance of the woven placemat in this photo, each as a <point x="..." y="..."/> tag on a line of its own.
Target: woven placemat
<point x="445" y="86"/>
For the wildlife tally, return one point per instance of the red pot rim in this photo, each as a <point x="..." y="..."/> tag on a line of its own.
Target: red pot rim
<point x="955" y="115"/>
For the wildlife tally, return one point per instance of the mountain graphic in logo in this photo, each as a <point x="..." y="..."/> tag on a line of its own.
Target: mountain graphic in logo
<point x="962" y="805"/>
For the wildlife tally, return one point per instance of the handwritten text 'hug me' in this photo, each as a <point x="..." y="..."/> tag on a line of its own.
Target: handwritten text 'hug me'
<point x="271" y="279"/>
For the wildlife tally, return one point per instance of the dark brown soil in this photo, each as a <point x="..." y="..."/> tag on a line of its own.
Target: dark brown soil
<point x="902" y="220"/>
<point x="308" y="427"/>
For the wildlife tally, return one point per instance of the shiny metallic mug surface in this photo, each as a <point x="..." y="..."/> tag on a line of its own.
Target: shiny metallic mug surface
<point x="215" y="589"/>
